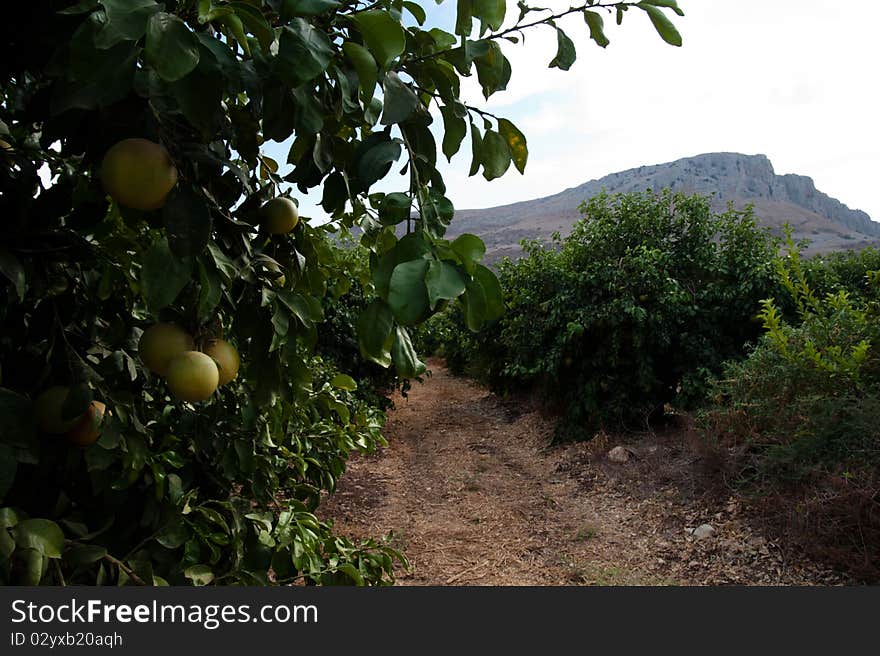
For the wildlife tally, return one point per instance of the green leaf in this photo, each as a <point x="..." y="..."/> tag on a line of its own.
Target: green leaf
<point x="400" y="100"/>
<point x="290" y="8"/>
<point x="476" y="150"/>
<point x="384" y="36"/>
<point x="7" y="544"/>
<point x="490" y="12"/>
<point x="493" y="69"/>
<point x="464" y="17"/>
<point x="40" y="534"/>
<point x="304" y="52"/>
<point x="236" y="26"/>
<point x="224" y="265"/>
<point x="199" y="95"/>
<point x="171" y="48"/>
<point x="374" y="332"/>
<point x="416" y="10"/>
<point x="210" y="290"/>
<point x="343" y="382"/>
<point x="31" y="571"/>
<point x="671" y="4"/>
<point x="13" y="270"/>
<point x="474" y="306"/>
<point x="410" y="247"/>
<point x="199" y="574"/>
<point x="126" y="20"/>
<point x="403" y="354"/>
<point x="597" y="28"/>
<point x="395" y="207"/>
<point x="470" y="249"/>
<point x="109" y="78"/>
<point x="187" y="221"/>
<point x="376" y="162"/>
<point x="492" y="292"/>
<point x="437" y="212"/>
<point x="351" y="572"/>
<point x="495" y="155"/>
<point x="335" y="194"/>
<point x="8" y="518"/>
<point x="443" y="281"/>
<point x="407" y="294"/>
<point x="662" y="24"/>
<point x="373" y="111"/>
<point x="442" y="40"/>
<point x="516" y="143"/>
<point x="257" y="24"/>
<point x="163" y="276"/>
<point x="565" y="52"/>
<point x="300" y="306"/>
<point x="454" y="129"/>
<point x="364" y="65"/>
<point x="84" y="554"/>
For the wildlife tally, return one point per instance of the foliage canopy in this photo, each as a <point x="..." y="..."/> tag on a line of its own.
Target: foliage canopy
<point x="224" y="491"/>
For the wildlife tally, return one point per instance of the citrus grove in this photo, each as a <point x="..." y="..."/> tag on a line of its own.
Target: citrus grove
<point x="165" y="417"/>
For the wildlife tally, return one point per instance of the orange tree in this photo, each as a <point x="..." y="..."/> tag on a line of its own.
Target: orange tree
<point x="135" y="193"/>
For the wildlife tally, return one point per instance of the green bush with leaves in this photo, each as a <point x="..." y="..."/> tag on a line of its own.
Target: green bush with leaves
<point x="797" y="420"/>
<point x="843" y="271"/>
<point x="636" y="308"/>
<point x="166" y="107"/>
<point x="337" y="334"/>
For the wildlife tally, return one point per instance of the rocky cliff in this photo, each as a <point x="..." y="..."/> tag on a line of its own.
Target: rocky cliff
<point x="731" y="177"/>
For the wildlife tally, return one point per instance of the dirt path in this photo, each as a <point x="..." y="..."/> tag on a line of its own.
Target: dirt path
<point x="473" y="494"/>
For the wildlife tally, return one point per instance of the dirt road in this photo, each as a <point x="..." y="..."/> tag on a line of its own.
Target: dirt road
<point x="470" y="490"/>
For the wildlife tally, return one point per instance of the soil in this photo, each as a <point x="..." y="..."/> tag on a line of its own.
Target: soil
<point x="471" y="490"/>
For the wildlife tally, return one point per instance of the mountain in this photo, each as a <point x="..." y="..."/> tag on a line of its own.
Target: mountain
<point x="742" y="179"/>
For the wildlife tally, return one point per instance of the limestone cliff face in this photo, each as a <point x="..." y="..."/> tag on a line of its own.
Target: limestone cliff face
<point x="731" y="177"/>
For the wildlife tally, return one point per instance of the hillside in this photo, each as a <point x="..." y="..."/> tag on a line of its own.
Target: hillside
<point x="742" y="179"/>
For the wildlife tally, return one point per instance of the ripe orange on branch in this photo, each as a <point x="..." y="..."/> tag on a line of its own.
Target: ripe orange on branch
<point x="161" y="343"/>
<point x="226" y="357"/>
<point x="280" y="216"/>
<point x="138" y="173"/>
<point x="193" y="376"/>
<point x="88" y="429"/>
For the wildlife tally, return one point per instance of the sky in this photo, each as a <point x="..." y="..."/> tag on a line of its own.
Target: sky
<point x="791" y="79"/>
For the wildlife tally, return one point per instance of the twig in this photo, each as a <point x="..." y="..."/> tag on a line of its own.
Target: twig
<point x="59" y="573"/>
<point x="453" y="579"/>
<point x="125" y="568"/>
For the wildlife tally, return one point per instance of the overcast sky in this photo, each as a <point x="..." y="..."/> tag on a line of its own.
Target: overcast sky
<point x="792" y="79"/>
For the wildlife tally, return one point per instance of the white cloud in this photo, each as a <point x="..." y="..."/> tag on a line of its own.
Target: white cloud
<point x="792" y="79"/>
<point x="788" y="79"/>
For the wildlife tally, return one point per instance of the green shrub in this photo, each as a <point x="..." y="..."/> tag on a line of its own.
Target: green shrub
<point x="797" y="420"/>
<point x="336" y="338"/>
<point x="637" y="308"/>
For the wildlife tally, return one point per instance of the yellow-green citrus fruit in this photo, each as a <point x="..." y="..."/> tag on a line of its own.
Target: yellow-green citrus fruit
<point x="226" y="357"/>
<point x="138" y="173"/>
<point x="161" y="343"/>
<point x="47" y="411"/>
<point x="193" y="376"/>
<point x="88" y="429"/>
<point x="280" y="216"/>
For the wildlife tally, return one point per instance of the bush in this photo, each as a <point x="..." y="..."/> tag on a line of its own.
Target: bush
<point x="637" y="308"/>
<point x="797" y="420"/>
<point x="337" y="336"/>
